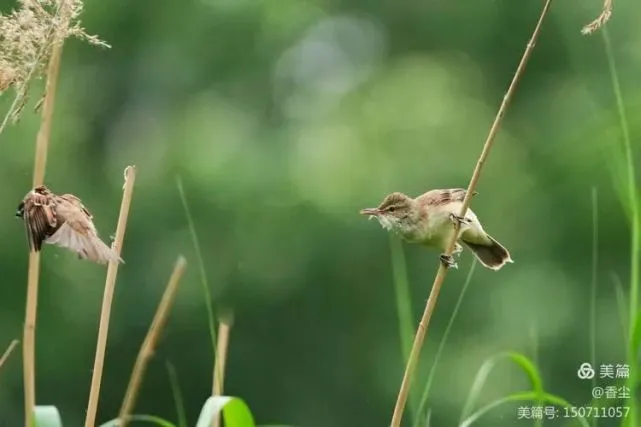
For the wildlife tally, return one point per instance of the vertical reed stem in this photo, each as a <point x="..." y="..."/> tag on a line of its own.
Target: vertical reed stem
<point x="31" y="309"/>
<point x="110" y="285"/>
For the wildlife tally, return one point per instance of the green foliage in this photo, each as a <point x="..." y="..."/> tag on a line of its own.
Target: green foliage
<point x="234" y="411"/>
<point x="151" y="419"/>
<point x="291" y="117"/>
<point x="631" y="202"/>
<point x="538" y="395"/>
<point x="47" y="416"/>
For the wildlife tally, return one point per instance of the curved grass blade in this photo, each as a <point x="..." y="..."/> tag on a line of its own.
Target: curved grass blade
<point x="481" y="377"/>
<point x="152" y="419"/>
<point x="519" y="397"/>
<point x="235" y="412"/>
<point x="47" y="416"/>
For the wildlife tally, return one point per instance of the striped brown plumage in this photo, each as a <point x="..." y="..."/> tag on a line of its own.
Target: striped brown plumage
<point x="64" y="221"/>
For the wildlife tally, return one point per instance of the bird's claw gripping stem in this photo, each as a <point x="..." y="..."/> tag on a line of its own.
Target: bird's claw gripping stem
<point x="448" y="261"/>
<point x="459" y="219"/>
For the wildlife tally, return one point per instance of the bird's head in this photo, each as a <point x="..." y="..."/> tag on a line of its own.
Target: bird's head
<point x="40" y="190"/>
<point x="396" y="212"/>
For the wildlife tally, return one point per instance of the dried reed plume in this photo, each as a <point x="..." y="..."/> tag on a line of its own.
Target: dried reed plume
<point x="110" y="285"/>
<point x="28" y="36"/>
<point x="600" y="20"/>
<point x="442" y="271"/>
<point x="149" y="344"/>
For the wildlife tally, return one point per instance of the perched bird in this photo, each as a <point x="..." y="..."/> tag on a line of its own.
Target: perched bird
<point x="63" y="221"/>
<point x="429" y="220"/>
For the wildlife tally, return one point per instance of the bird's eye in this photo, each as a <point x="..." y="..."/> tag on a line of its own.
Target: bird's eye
<point x="391" y="209"/>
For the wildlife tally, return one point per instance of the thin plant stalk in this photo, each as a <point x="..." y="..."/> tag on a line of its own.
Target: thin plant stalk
<point x="593" y="285"/>
<point x="442" y="271"/>
<point x="635" y="221"/>
<point x="224" y="328"/>
<point x="110" y="285"/>
<point x="149" y="344"/>
<point x="33" y="275"/>
<point x="175" y="391"/>
<point x="403" y="309"/>
<point x="211" y="323"/>
<point x="8" y="352"/>
<point x="441" y="345"/>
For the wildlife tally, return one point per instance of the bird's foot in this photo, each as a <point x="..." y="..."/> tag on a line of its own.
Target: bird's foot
<point x="448" y="261"/>
<point x="457" y="250"/>
<point x="459" y="219"/>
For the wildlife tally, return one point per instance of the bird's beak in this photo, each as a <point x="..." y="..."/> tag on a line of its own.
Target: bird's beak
<point x="370" y="211"/>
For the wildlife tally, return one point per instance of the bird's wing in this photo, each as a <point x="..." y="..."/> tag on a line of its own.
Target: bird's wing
<point x="78" y="232"/>
<point x="75" y="214"/>
<point x="40" y="219"/>
<point x="443" y="196"/>
<point x="75" y="201"/>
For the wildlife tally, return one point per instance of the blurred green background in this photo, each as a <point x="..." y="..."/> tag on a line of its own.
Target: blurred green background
<point x="284" y="118"/>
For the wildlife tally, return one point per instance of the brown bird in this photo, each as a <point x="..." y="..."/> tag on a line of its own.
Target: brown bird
<point x="62" y="221"/>
<point x="429" y="220"/>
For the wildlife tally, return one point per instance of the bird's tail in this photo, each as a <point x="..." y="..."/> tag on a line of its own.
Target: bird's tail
<point x="491" y="254"/>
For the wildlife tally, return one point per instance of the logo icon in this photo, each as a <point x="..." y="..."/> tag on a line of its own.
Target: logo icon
<point x="586" y="371"/>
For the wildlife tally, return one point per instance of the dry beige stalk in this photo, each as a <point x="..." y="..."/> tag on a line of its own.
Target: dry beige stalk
<point x="421" y="331"/>
<point x="225" y="320"/>
<point x="110" y="285"/>
<point x="33" y="274"/>
<point x="600" y="20"/>
<point x="149" y="344"/>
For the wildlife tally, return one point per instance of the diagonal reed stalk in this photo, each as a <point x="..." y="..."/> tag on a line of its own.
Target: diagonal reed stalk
<point x="442" y="271"/>
<point x="224" y="327"/>
<point x="31" y="309"/>
<point x="149" y="344"/>
<point x="110" y="284"/>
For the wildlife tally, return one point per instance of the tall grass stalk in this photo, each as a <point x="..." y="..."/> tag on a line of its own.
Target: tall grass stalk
<point x="635" y="233"/>
<point x="110" y="285"/>
<point x="149" y="344"/>
<point x="441" y="345"/>
<point x="442" y="271"/>
<point x="33" y="274"/>
<point x="621" y="308"/>
<point x="593" y="286"/>
<point x="211" y="322"/>
<point x="175" y="391"/>
<point x="403" y="309"/>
